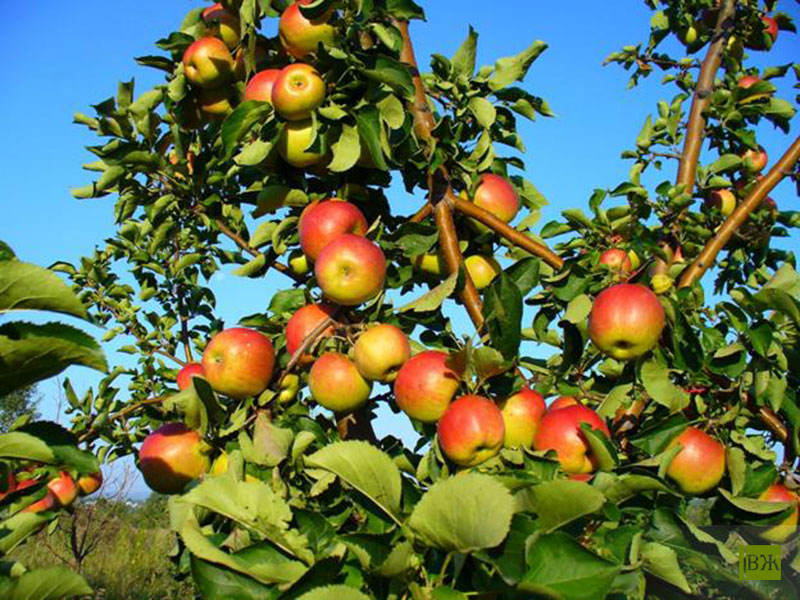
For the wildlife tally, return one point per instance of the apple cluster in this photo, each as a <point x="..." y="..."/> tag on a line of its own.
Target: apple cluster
<point x="60" y="490"/>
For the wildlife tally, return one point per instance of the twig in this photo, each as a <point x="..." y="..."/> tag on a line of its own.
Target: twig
<point x="504" y="230"/>
<point x="92" y="431"/>
<point x="422" y="214"/>
<point x="695" y="128"/>
<point x="763" y="187"/>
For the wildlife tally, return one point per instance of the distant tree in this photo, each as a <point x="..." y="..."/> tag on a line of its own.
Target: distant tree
<point x="17" y="404"/>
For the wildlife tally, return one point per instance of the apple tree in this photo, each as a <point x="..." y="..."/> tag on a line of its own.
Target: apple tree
<point x="663" y="317"/>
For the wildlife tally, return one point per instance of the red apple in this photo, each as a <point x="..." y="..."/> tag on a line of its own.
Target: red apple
<point x="301" y="36"/>
<point x="560" y="430"/>
<point x="208" y="63"/>
<point x="260" y="85"/>
<point x="626" y="321"/>
<point x="380" y="352"/>
<point x="771" y="27"/>
<point x="323" y="222"/>
<point x="723" y="200"/>
<point x="222" y="24"/>
<point x="700" y="464"/>
<point x="755" y="160"/>
<point x="471" y="430"/>
<point x="187" y="373"/>
<point x="293" y="143"/>
<point x="63" y="488"/>
<point x="425" y="386"/>
<point x="616" y="259"/>
<point x="350" y="270"/>
<point x="522" y="414"/>
<point x="89" y="484"/>
<point x="748" y="81"/>
<point x="297" y="92"/>
<point x="336" y="384"/>
<point x="302" y="323"/>
<point x="238" y="362"/>
<point x="482" y="270"/>
<point x="781" y="532"/>
<point x="563" y="402"/>
<point x="496" y="195"/>
<point x="171" y="457"/>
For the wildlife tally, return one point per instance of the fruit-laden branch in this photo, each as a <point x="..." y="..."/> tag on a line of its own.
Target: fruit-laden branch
<point x="512" y="235"/>
<point x="763" y="187"/>
<point x="448" y="237"/>
<point x="695" y="128"/>
<point x="243" y="245"/>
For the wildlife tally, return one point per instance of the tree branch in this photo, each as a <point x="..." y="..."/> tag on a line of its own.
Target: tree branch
<point x="763" y="187"/>
<point x="695" y="128"/>
<point x="517" y="238"/>
<point x="91" y="433"/>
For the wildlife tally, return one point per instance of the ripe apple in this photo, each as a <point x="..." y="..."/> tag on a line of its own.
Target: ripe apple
<point x="63" y="488"/>
<point x="222" y="24"/>
<point x="171" y="457"/>
<point x="771" y="27"/>
<point x="297" y="92"/>
<point x="350" y="270"/>
<point x="301" y="36"/>
<point x="482" y="269"/>
<point x="522" y="414"/>
<point x="700" y="464"/>
<point x="336" y="384"/>
<point x="294" y="140"/>
<point x="238" y="362"/>
<point x="323" y="222"/>
<point x="380" y="352"/>
<point x="781" y="532"/>
<point x="748" y="81"/>
<point x="560" y="430"/>
<point x="260" y="85"/>
<point x="89" y="484"/>
<point x="430" y="263"/>
<point x="208" y="63"/>
<point x="471" y="430"/>
<point x="563" y="402"/>
<point x="723" y="200"/>
<point x="626" y="321"/>
<point x="425" y="386"/>
<point x="616" y="259"/>
<point x="755" y="160"/>
<point x="302" y="323"/>
<point x="496" y="195"/>
<point x="187" y="373"/>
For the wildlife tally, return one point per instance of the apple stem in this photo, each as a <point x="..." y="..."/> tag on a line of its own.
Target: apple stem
<point x="737" y="218"/>
<point x="695" y="128"/>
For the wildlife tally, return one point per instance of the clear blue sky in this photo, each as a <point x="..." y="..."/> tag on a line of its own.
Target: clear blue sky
<point x="60" y="60"/>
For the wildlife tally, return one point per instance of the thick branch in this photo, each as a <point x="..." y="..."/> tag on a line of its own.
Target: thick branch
<point x="448" y="238"/>
<point x="763" y="187"/>
<point x="702" y="96"/>
<point x="512" y="235"/>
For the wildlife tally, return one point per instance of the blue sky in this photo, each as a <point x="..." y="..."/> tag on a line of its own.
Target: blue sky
<point x="58" y="62"/>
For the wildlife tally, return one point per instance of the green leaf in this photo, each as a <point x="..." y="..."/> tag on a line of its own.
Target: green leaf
<point x="393" y="73"/>
<point x="392" y="111"/>
<point x="621" y="488"/>
<point x="48" y="583"/>
<point x="483" y="110"/>
<point x="559" y="502"/>
<point x="464" y="513"/>
<point x="346" y="150"/>
<point x="369" y="128"/>
<point x="215" y="582"/>
<point x="24" y="286"/>
<point x="502" y="310"/>
<point x="6" y="253"/>
<point x="361" y="465"/>
<point x="30" y="353"/>
<point x="602" y="448"/>
<point x="751" y="505"/>
<point x="253" y="153"/>
<point x="14" y="530"/>
<point x="240" y="122"/>
<point x="287" y="301"/>
<point x="558" y="566"/>
<point x="463" y="60"/>
<point x="725" y="162"/>
<point x="434" y="298"/>
<point x="334" y="592"/>
<point x="662" y="562"/>
<point x="578" y="309"/>
<point x="514" y="68"/>
<point x="47" y="442"/>
<point x="655" y="378"/>
<point x="405" y="9"/>
<point x="252" y="268"/>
